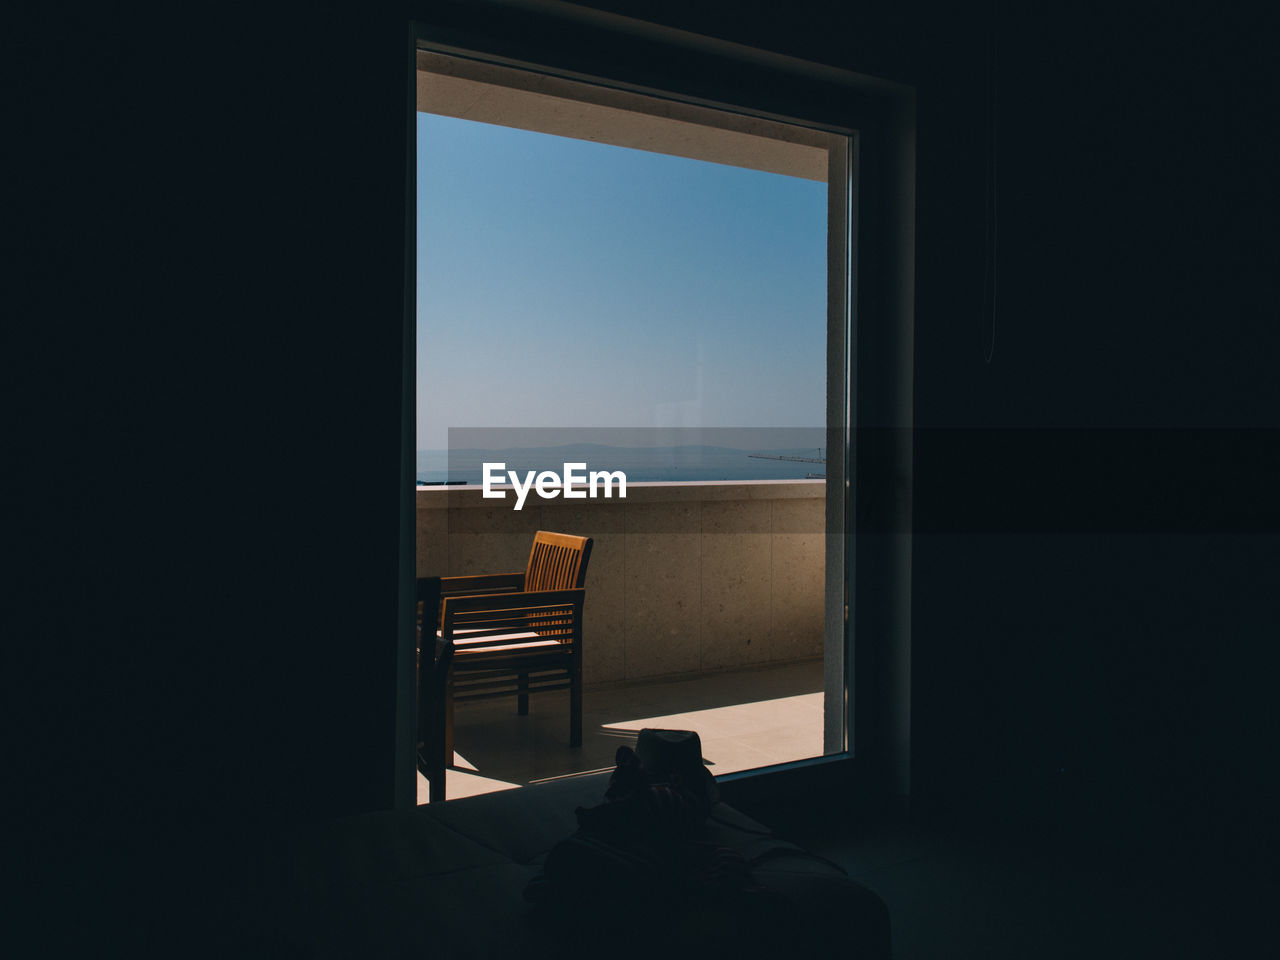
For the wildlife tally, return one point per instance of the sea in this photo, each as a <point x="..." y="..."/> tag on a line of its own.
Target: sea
<point x="672" y="464"/>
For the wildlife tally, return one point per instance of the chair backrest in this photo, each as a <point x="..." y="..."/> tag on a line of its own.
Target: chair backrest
<point x="557" y="561"/>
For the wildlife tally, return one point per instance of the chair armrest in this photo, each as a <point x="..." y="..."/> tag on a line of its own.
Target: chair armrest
<point x="432" y="589"/>
<point x="553" y="613"/>
<point x="484" y="583"/>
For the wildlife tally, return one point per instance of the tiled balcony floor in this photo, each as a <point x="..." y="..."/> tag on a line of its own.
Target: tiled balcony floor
<point x="745" y="718"/>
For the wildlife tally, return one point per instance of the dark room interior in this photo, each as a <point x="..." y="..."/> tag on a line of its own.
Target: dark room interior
<point x="209" y="229"/>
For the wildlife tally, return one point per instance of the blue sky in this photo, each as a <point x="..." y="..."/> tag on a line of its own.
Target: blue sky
<point x="563" y="283"/>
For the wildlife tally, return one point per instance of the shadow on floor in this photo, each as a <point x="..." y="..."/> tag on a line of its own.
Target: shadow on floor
<point x="746" y="719"/>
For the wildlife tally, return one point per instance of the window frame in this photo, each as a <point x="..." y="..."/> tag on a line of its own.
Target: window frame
<point x="866" y="736"/>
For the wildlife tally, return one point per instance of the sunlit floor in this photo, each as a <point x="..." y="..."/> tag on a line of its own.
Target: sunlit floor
<point x="745" y="719"/>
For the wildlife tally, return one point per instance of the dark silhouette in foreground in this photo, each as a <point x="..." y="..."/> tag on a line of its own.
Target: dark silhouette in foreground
<point x="643" y="872"/>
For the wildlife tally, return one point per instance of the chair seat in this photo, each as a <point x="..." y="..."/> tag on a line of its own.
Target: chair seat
<point x="519" y="641"/>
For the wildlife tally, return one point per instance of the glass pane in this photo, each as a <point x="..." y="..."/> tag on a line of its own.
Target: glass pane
<point x="588" y="307"/>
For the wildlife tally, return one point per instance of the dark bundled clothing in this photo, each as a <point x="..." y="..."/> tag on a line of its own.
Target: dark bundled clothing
<point x="643" y="853"/>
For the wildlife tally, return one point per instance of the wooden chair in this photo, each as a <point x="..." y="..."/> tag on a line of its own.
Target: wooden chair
<point x="500" y="635"/>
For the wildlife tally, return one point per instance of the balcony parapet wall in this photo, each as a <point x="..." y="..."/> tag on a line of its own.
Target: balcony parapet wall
<point x="685" y="578"/>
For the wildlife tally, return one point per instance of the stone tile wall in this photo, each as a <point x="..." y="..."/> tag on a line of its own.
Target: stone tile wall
<point x="684" y="578"/>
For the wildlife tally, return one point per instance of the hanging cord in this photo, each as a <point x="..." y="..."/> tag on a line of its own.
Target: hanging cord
<point x="737" y="826"/>
<point x="788" y="851"/>
<point x="991" y="218"/>
<point x="774" y="852"/>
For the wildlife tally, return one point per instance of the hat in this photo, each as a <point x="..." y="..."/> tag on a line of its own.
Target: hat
<point x="678" y="753"/>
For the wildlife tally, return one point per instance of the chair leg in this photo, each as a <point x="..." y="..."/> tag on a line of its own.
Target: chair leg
<point x="575" y="709"/>
<point x="436" y="783"/>
<point x="431" y="743"/>
<point x="431" y="764"/>
<point x="448" y="723"/>
<point x="522" y="697"/>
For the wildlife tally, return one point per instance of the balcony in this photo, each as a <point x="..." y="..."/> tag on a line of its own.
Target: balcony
<point x="705" y="611"/>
